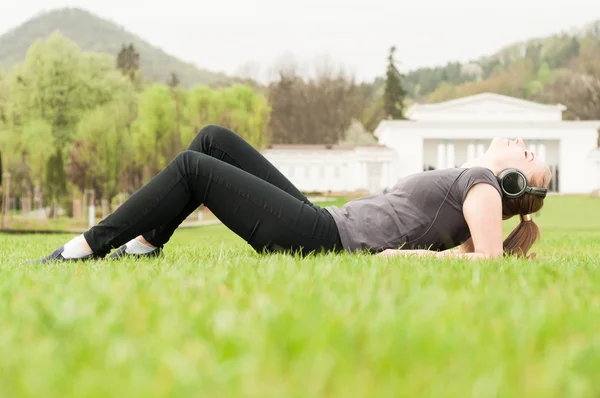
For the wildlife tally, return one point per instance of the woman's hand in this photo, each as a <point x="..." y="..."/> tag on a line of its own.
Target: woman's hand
<point x="405" y="253"/>
<point x="388" y="253"/>
<point x="443" y="254"/>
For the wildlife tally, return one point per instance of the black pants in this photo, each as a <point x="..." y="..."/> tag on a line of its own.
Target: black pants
<point x="240" y="187"/>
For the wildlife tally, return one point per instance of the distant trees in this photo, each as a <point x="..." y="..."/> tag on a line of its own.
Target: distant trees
<point x="312" y="111"/>
<point x="579" y="87"/>
<point x="556" y="52"/>
<point x="512" y="82"/>
<point x="48" y="95"/>
<point x="71" y="121"/>
<point x="423" y="81"/>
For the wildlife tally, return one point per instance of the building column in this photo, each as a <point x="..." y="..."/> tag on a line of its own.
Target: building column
<point x="355" y="177"/>
<point x="541" y="152"/>
<point x="450" y="162"/>
<point x="533" y="148"/>
<point x="346" y="175"/>
<point x="441" y="156"/>
<point x="470" y="152"/>
<point x="364" y="183"/>
<point x="385" y="174"/>
<point x="480" y="150"/>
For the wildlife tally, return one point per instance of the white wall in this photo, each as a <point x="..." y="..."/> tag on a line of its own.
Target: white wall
<point x="408" y="150"/>
<point x="594" y="167"/>
<point x="336" y="170"/>
<point x="575" y="175"/>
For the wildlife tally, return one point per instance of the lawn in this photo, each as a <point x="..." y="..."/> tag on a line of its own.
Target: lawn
<point x="214" y="319"/>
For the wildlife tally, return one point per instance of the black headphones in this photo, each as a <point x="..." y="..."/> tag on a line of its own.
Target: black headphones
<point x="514" y="185"/>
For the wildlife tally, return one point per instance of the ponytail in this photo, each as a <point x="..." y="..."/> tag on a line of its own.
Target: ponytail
<point x="521" y="239"/>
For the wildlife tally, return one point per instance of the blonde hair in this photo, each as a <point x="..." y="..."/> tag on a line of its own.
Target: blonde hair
<point x="520" y="240"/>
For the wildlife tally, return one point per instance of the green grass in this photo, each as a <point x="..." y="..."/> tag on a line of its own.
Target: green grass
<point x="214" y="319"/>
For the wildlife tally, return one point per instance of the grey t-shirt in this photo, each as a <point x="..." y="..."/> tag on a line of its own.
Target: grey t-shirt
<point x="422" y="211"/>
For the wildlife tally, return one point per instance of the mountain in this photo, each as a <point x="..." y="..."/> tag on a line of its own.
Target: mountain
<point x="94" y="34"/>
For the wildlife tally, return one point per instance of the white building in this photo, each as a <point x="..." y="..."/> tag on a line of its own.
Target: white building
<point x="445" y="135"/>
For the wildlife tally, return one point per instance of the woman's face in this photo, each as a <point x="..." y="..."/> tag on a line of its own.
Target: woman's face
<point x="514" y="154"/>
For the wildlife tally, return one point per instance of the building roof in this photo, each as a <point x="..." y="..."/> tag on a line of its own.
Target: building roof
<point x="486" y="129"/>
<point x="308" y="147"/>
<point x="477" y="124"/>
<point x="491" y="97"/>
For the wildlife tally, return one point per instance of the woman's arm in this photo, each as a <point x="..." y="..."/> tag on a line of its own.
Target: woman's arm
<point x="483" y="212"/>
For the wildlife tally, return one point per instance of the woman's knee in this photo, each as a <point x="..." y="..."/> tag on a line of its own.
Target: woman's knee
<point x="211" y="130"/>
<point x="187" y="159"/>
<point x="208" y="135"/>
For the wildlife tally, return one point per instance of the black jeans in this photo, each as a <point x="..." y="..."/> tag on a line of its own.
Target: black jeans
<point x="240" y="187"/>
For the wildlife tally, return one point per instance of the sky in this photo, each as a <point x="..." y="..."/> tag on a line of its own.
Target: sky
<point x="254" y="37"/>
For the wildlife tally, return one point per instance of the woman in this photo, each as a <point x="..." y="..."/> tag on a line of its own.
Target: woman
<point x="434" y="211"/>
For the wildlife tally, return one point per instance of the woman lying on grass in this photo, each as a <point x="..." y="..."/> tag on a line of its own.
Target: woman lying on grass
<point x="437" y="210"/>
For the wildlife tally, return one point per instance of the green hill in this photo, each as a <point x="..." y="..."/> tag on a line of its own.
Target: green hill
<point x="548" y="55"/>
<point x="94" y="34"/>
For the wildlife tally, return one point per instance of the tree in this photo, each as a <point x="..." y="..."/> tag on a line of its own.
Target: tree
<point x="3" y="100"/>
<point x="47" y="86"/>
<point x="55" y="186"/>
<point x="102" y="150"/>
<point x="173" y="80"/>
<point x="178" y="97"/>
<point x="394" y="92"/>
<point x="34" y="150"/>
<point x="128" y="61"/>
<point x="358" y="135"/>
<point x="316" y="111"/>
<point x="239" y="107"/>
<point x="45" y="103"/>
<point x="579" y="87"/>
<point x="247" y="113"/>
<point x="4" y="131"/>
<point x="154" y="127"/>
<point x="579" y="92"/>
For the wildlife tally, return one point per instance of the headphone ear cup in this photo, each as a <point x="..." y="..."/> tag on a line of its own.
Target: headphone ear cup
<point x="513" y="183"/>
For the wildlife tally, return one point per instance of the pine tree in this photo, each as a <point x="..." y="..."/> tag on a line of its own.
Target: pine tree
<point x="128" y="61"/>
<point x="173" y="80"/>
<point x="394" y="94"/>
